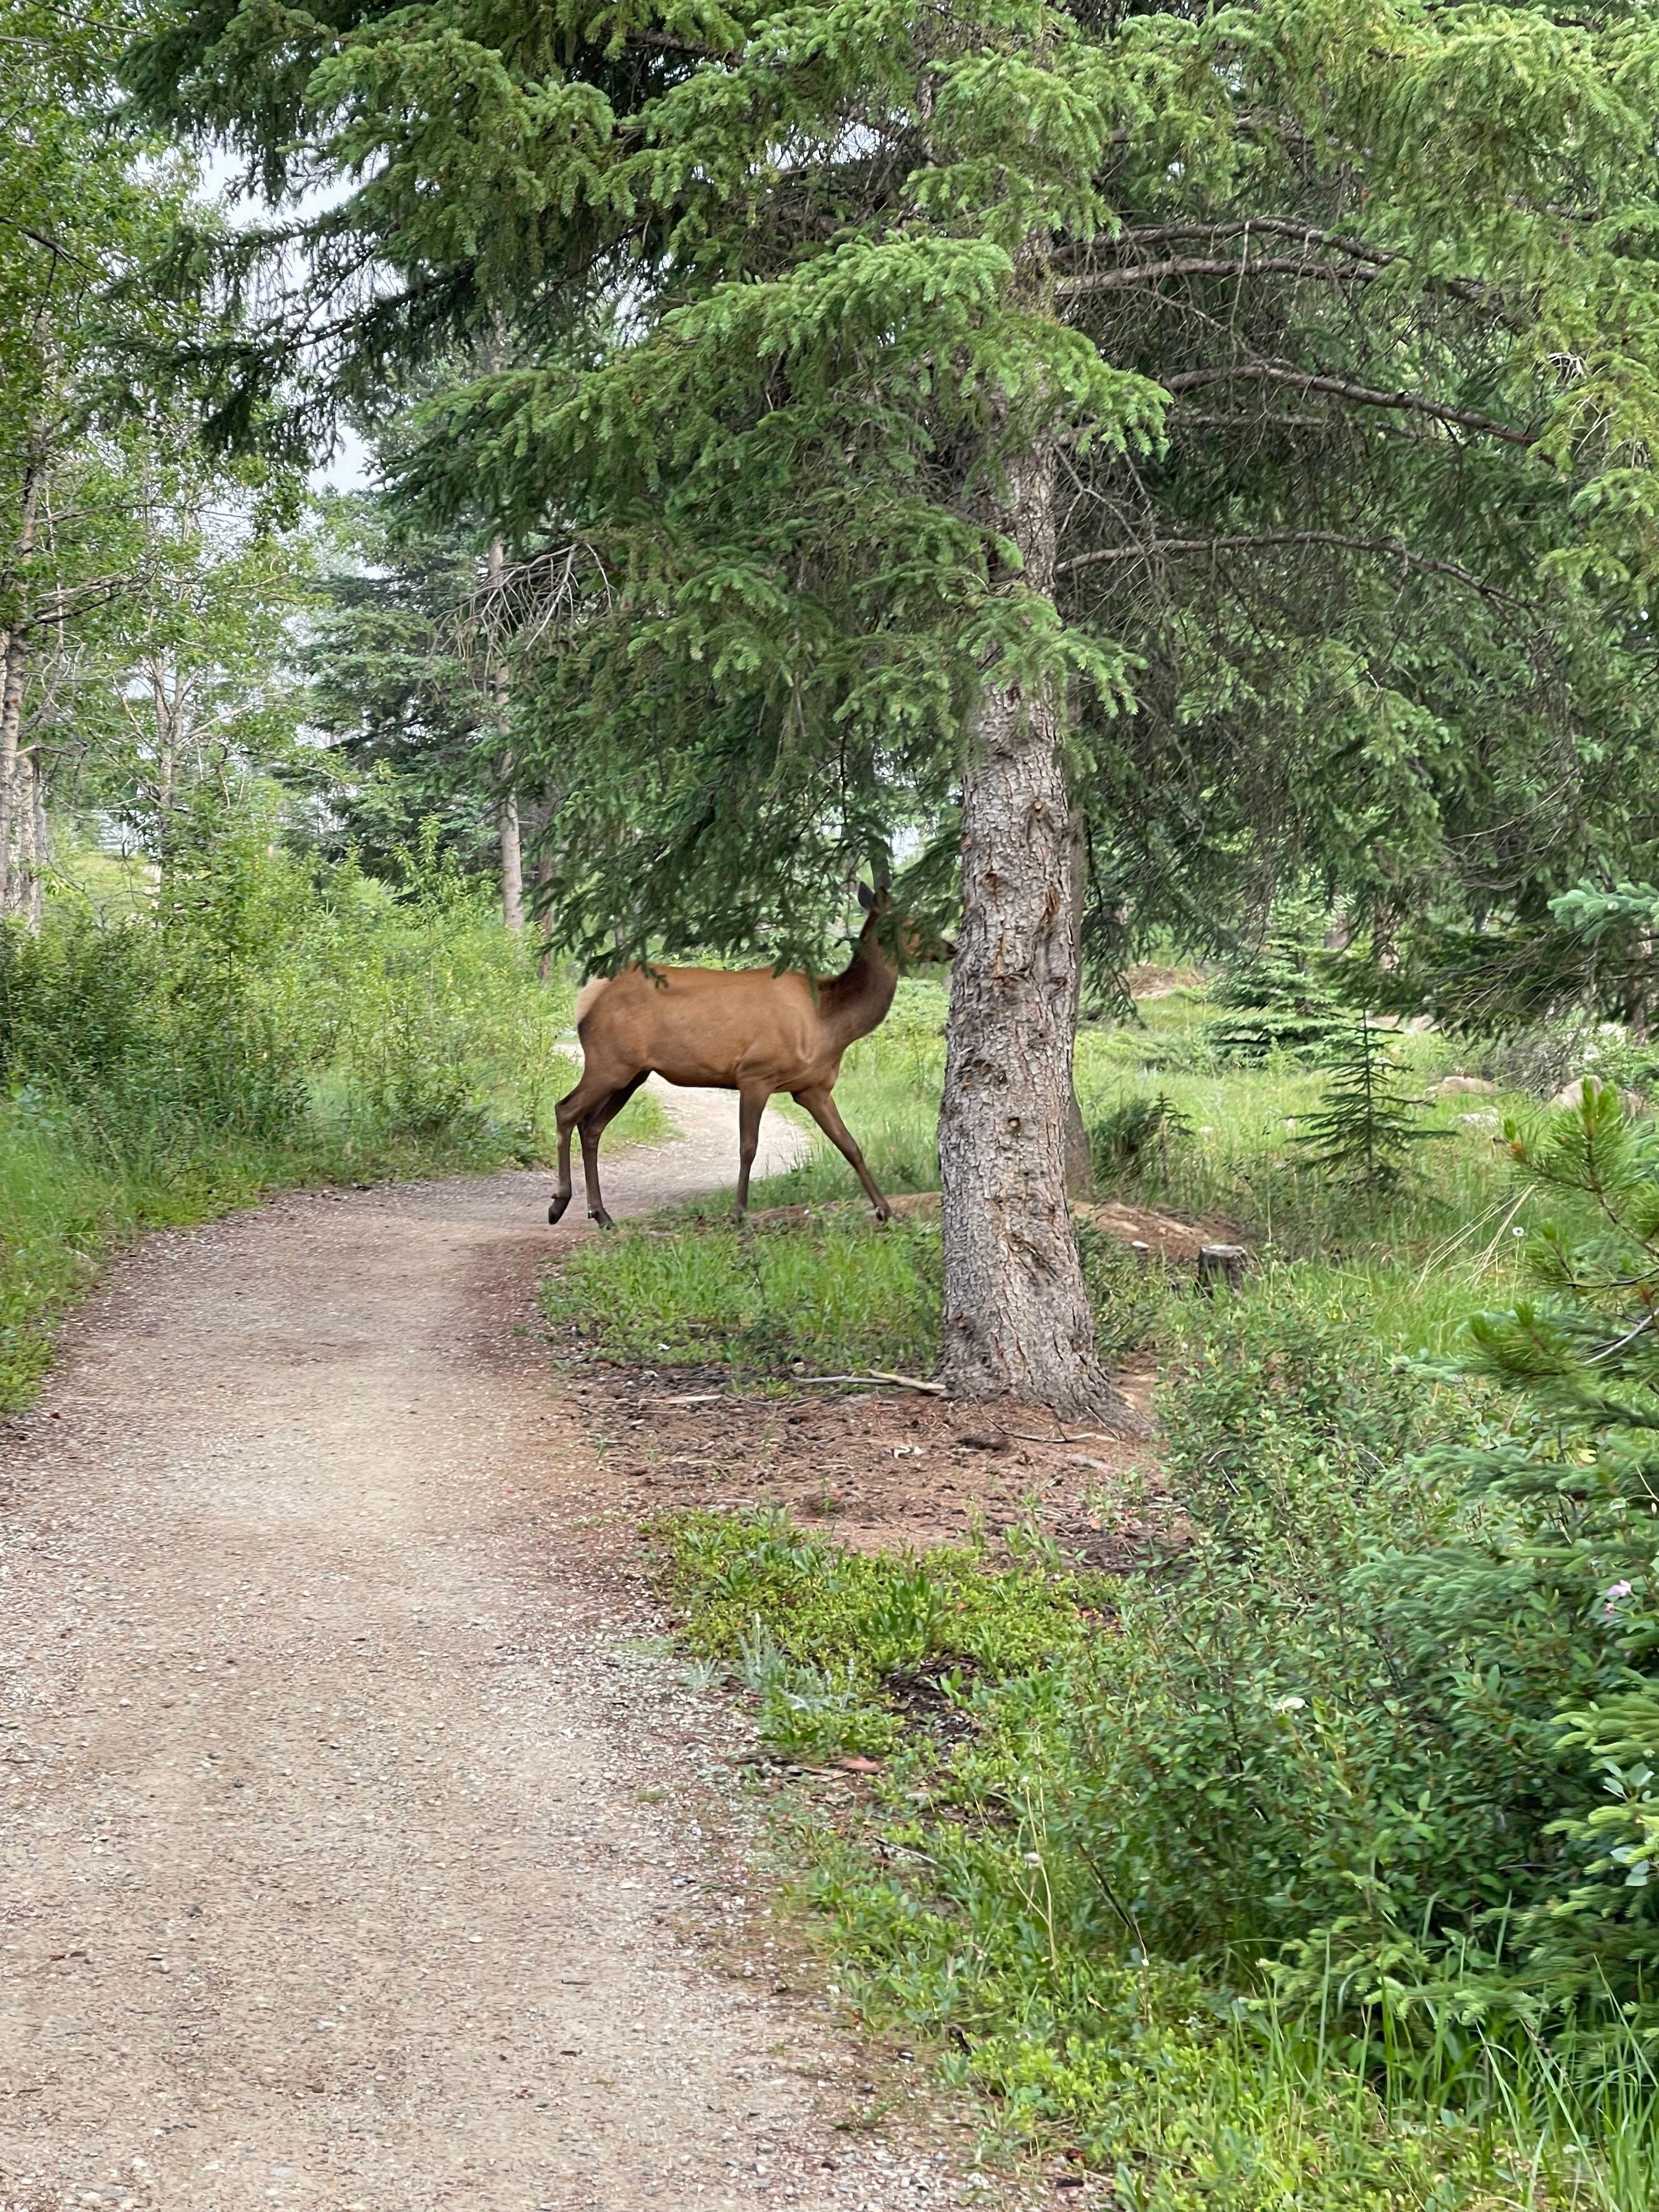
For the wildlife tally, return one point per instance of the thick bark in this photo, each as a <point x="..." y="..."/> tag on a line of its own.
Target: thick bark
<point x="1017" y="1317"/>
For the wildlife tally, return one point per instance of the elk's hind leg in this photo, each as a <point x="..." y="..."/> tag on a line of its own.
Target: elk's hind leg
<point x="822" y="1107"/>
<point x="752" y="1104"/>
<point x="575" y="1106"/>
<point x="593" y="1126"/>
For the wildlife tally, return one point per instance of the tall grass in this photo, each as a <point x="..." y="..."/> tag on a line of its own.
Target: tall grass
<point x="1408" y="1266"/>
<point x="246" y="1023"/>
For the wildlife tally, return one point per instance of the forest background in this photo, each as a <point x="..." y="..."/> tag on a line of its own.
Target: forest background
<point x="1147" y="482"/>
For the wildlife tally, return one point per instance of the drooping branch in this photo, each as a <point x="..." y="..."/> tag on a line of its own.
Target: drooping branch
<point x="1266" y="264"/>
<point x="1249" y="541"/>
<point x="1273" y="226"/>
<point x="1343" y="387"/>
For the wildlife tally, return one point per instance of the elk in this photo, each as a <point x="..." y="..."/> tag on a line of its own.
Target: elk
<point x="749" y="1031"/>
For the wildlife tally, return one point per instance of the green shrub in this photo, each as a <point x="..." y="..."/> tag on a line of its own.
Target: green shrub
<point x="253" y="1022"/>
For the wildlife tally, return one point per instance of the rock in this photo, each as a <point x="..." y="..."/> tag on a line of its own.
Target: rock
<point x="1572" y="1094"/>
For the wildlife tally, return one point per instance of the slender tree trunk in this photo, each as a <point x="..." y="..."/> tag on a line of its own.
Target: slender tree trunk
<point x="512" y="863"/>
<point x="496" y="682"/>
<point x="1018" y="1322"/>
<point x="42" y="841"/>
<point x="165" y="704"/>
<point x="1079" y="1165"/>
<point x="15" y="669"/>
<point x="11" y="724"/>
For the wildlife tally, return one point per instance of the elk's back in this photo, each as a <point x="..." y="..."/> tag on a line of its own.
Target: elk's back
<point x="702" y="1025"/>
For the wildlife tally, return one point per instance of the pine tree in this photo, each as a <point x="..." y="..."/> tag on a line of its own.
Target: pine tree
<point x="1369" y="1119"/>
<point x="1276" y="998"/>
<point x="919" y="310"/>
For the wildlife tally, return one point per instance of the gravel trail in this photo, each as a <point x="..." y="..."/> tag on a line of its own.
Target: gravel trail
<point x="349" y="1851"/>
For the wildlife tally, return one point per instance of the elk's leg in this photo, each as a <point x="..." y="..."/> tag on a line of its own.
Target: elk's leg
<point x="752" y="1104"/>
<point x="573" y="1108"/>
<point x="593" y="1126"/>
<point x="822" y="1107"/>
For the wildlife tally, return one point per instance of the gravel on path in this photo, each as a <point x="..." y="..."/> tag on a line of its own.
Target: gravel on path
<point x="355" y="1840"/>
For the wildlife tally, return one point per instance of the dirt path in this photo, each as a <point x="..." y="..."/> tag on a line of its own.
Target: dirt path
<point x="349" y="1846"/>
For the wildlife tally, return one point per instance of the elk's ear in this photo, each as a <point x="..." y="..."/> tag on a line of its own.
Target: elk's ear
<point x="867" y="898"/>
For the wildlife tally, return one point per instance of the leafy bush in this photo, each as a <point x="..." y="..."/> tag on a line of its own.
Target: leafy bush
<point x="253" y="1022"/>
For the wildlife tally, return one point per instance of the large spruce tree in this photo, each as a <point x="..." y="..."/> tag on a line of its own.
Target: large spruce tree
<point x="931" y="327"/>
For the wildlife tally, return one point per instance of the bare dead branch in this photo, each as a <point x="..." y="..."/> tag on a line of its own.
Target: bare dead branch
<point x="1266" y="264"/>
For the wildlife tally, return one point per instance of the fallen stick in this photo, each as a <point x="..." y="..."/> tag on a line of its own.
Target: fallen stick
<point x="865" y="1381"/>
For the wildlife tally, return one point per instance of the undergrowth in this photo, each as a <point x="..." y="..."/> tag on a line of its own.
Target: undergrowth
<point x="833" y="1298"/>
<point x="252" y="1022"/>
<point x="1315" y="1867"/>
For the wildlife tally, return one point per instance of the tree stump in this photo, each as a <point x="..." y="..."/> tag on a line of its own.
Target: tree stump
<point x="1222" y="1264"/>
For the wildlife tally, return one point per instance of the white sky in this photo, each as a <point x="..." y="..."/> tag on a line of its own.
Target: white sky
<point x="346" y="469"/>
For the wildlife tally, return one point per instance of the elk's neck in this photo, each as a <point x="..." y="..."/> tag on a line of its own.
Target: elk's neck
<point x="855" y="1001"/>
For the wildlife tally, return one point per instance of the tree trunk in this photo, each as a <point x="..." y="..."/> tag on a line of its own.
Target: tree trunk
<point x="1080" y="1164"/>
<point x="512" y="863"/>
<point x="497" y="681"/>
<point x="42" y="844"/>
<point x="11" y="724"/>
<point x="15" y="668"/>
<point x="1018" y="1322"/>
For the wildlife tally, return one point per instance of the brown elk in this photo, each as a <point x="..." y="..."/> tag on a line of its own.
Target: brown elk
<point x="749" y="1031"/>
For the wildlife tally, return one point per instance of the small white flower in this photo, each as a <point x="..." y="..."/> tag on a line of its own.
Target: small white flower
<point x="1288" y="1704"/>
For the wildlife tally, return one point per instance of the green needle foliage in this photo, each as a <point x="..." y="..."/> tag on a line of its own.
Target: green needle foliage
<point x="1370" y="1118"/>
<point x="1335" y="324"/>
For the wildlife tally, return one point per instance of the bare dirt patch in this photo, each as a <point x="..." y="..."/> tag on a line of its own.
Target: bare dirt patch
<point x="891" y="1469"/>
<point x="882" y="1470"/>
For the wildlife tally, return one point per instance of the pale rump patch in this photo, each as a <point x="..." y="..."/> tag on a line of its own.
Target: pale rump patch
<point x="589" y="991"/>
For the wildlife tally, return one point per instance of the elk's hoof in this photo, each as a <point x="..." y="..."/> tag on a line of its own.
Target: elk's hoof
<point x="884" y="1213"/>
<point x="557" y="1208"/>
<point x="601" y="1219"/>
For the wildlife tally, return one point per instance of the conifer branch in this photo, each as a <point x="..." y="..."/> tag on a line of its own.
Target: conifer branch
<point x="1250" y="540"/>
<point x="1269" y="264"/>
<point x="1363" y="395"/>
<point x="1273" y="226"/>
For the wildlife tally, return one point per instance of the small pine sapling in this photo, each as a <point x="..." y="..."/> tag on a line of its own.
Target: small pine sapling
<point x="1369" y="1119"/>
<point x="1278" y="999"/>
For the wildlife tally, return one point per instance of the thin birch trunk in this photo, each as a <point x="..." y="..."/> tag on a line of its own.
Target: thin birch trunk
<point x="16" y="668"/>
<point x="512" y="863"/>
<point x="42" y="842"/>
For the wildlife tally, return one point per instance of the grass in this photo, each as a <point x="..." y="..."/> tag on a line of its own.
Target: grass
<point x="959" y="1896"/>
<point x="956" y="1907"/>
<point x="362" y="1037"/>
<point x="759" y="1301"/>
<point x="1406" y="1270"/>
